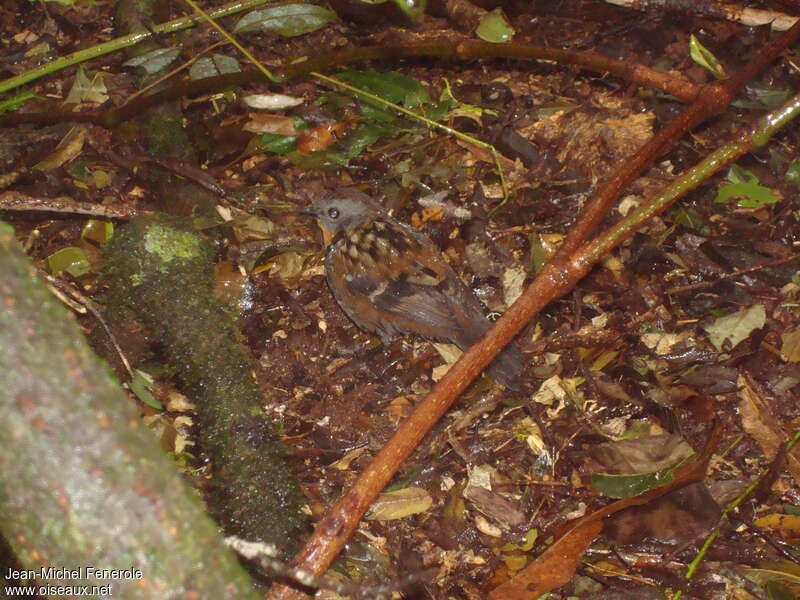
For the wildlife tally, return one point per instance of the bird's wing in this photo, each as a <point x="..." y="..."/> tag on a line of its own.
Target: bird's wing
<point x="409" y="283"/>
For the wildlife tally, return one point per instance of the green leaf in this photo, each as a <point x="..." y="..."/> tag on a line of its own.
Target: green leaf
<point x="768" y="95"/>
<point x="155" y="60"/>
<point x="213" y="66"/>
<point x="392" y="86"/>
<point x="793" y="173"/>
<point x="362" y="138"/>
<point x="750" y="195"/>
<point x="737" y="174"/>
<point x="70" y="259"/>
<point x="98" y="231"/>
<point x="139" y="385"/>
<point x="287" y="19"/>
<point x="494" y="27"/>
<point x="703" y="57"/>
<point x="279" y="144"/>
<point x="627" y="486"/>
<point x="321" y="159"/>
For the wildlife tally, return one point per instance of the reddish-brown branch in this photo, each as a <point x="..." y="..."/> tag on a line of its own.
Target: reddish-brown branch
<point x="555" y="279"/>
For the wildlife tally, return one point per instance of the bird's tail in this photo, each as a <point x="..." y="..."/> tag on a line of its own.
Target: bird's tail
<point x="506" y="367"/>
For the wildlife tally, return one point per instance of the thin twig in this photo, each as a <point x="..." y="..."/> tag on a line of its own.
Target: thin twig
<point x="17" y="201"/>
<point x="60" y="287"/>
<point x="704" y="284"/>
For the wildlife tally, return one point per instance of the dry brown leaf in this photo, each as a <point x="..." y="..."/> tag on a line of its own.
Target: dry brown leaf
<point x="759" y="421"/>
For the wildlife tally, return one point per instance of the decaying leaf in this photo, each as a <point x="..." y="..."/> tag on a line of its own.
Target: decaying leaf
<point x="764" y="426"/>
<point x="790" y="348"/>
<point x="400" y="503"/>
<point x="726" y="332"/>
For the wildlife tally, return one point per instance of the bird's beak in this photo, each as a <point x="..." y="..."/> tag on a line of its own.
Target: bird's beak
<point x="327" y="235"/>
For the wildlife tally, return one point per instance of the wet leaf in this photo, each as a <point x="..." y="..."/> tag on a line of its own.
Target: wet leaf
<point x="97" y="231"/>
<point x="750" y="195"/>
<point x="413" y="9"/>
<point x="268" y="123"/>
<point x="70" y="259"/>
<point x="732" y="329"/>
<point x="781" y="578"/>
<point x="155" y="60"/>
<point x="321" y="137"/>
<point x="785" y="526"/>
<point x="793" y="172"/>
<point x="553" y="568"/>
<point x="213" y="66"/>
<point x="273" y="142"/>
<point x="86" y="89"/>
<point x="790" y="348"/>
<point x="400" y="503"/>
<point x="68" y="148"/>
<point x="271" y="101"/>
<point x="763" y="425"/>
<point x="627" y="486"/>
<point x="288" y="19"/>
<point x="769" y="96"/>
<point x="494" y="27"/>
<point x="704" y="57"/>
<point x="633" y="466"/>
<point x="139" y="385"/>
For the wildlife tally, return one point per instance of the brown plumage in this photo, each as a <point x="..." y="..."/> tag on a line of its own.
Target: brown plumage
<point x="389" y="279"/>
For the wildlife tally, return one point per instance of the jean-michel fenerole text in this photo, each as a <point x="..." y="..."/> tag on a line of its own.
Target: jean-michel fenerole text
<point x="79" y="573"/>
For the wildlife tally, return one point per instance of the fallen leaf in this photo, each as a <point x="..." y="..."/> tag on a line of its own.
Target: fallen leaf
<point x="399" y="504"/>
<point x="736" y="327"/>
<point x="790" y="348"/>
<point x="764" y="426"/>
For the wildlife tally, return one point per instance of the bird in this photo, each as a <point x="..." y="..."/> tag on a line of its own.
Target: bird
<point x="390" y="279"/>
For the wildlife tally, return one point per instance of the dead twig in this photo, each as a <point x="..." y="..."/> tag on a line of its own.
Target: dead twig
<point x="18" y="201"/>
<point x="704" y="284"/>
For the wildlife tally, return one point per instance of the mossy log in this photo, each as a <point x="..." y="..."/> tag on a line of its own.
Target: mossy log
<point x="83" y="485"/>
<point x="162" y="270"/>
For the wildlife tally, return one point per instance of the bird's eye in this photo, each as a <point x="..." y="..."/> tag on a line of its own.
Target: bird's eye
<point x="333" y="213"/>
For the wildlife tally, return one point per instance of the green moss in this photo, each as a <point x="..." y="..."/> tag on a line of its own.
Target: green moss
<point x="165" y="135"/>
<point x="170" y="244"/>
<point x="161" y="269"/>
